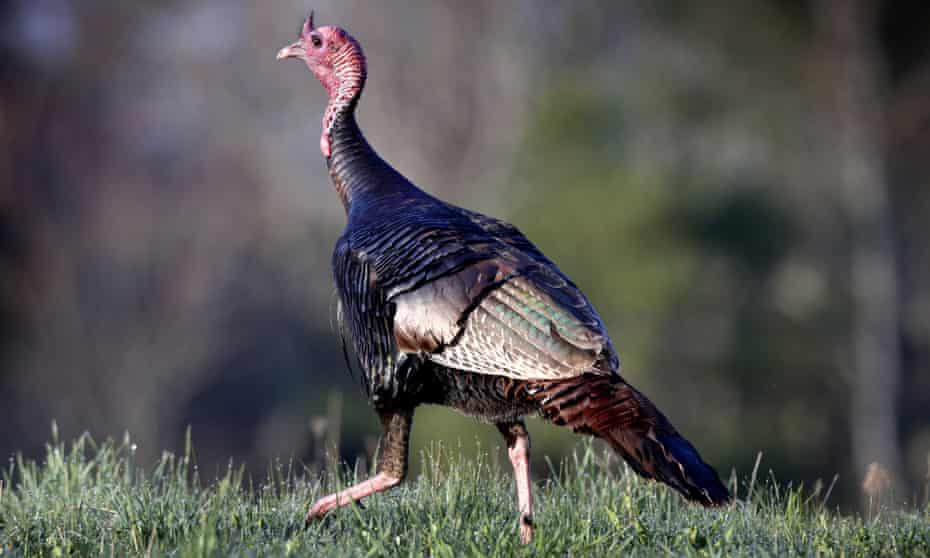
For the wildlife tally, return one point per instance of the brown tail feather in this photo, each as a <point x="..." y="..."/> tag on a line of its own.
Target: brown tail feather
<point x="611" y="409"/>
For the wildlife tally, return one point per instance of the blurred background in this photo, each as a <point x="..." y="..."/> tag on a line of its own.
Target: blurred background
<point x="740" y="186"/>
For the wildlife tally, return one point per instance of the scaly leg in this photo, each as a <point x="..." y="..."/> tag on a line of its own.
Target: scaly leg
<point x="518" y="449"/>
<point x="392" y="467"/>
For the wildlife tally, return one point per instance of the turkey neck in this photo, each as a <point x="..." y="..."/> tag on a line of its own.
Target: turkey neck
<point x="361" y="177"/>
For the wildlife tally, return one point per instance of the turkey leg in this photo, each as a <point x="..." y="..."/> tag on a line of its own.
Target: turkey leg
<point x="518" y="449"/>
<point x="392" y="467"/>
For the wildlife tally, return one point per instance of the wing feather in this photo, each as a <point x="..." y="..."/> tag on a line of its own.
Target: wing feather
<point x="368" y="316"/>
<point x="494" y="318"/>
<point x="466" y="291"/>
<point x="516" y="331"/>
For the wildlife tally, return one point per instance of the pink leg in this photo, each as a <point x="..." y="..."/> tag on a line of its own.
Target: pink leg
<point x="392" y="467"/>
<point x="518" y="449"/>
<point x="378" y="483"/>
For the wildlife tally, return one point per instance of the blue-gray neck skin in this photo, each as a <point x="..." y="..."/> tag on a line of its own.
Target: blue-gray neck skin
<point x="361" y="177"/>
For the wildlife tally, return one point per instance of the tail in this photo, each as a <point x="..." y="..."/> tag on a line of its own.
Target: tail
<point x="611" y="409"/>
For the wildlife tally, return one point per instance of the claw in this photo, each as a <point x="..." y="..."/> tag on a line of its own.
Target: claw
<point x="526" y="528"/>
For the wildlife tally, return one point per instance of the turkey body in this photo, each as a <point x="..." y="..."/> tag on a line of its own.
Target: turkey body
<point x="451" y="307"/>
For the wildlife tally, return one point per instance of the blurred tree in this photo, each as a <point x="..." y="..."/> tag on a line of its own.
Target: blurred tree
<point x="852" y="62"/>
<point x="906" y="49"/>
<point x="166" y="221"/>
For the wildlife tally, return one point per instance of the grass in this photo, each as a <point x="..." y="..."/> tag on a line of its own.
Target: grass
<point x="90" y="499"/>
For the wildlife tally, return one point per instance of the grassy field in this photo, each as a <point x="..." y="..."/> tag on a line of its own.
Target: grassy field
<point x="92" y="499"/>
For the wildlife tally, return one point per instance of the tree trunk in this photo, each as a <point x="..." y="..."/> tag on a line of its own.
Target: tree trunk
<point x="847" y="31"/>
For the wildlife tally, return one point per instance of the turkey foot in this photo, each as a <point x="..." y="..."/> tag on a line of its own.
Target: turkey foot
<point x="392" y="467"/>
<point x="378" y="483"/>
<point x="518" y="449"/>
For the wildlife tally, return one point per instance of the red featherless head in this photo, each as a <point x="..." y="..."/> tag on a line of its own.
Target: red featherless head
<point x="336" y="59"/>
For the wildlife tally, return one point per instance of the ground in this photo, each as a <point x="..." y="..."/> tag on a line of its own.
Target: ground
<point x="92" y="499"/>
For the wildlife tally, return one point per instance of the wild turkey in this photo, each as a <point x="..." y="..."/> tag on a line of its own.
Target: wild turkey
<point x="451" y="307"/>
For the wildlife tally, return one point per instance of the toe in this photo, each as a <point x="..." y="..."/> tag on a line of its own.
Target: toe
<point x="526" y="529"/>
<point x="319" y="509"/>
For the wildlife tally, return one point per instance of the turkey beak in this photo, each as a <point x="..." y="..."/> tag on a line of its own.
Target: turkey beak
<point x="295" y="50"/>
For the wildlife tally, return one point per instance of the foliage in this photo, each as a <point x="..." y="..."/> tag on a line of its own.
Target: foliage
<point x="92" y="499"/>
<point x="167" y="221"/>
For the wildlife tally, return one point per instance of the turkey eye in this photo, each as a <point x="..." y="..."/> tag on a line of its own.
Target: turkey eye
<point x="315" y="39"/>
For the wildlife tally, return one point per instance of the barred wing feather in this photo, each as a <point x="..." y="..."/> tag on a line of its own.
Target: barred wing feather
<point x="507" y="317"/>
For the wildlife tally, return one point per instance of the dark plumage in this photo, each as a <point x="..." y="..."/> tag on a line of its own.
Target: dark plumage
<point x="451" y="307"/>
